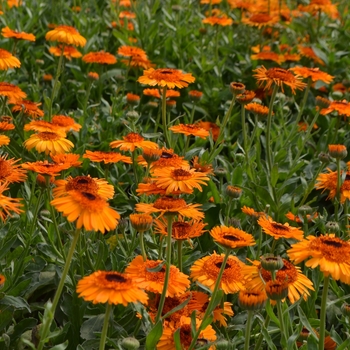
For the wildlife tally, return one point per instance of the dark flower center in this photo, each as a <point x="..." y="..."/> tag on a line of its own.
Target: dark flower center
<point x="115" y="278"/>
<point x="166" y="155"/>
<point x="231" y="238"/>
<point x="219" y="264"/>
<point x="281" y="227"/>
<point x="333" y="243"/>
<point x="89" y="196"/>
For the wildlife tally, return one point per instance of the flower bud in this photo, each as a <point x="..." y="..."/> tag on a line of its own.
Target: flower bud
<point x="130" y="343"/>
<point x="270" y="262"/>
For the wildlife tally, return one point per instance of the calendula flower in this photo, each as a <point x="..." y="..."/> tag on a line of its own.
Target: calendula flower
<point x="179" y="179"/>
<point x="172" y="206"/>
<point x="245" y="97"/>
<point x="106" y="157"/>
<point x="5" y="126"/>
<point x="67" y="35"/>
<point x="153" y="281"/>
<point x="132" y="99"/>
<point x="131" y="51"/>
<point x="127" y="14"/>
<point x="83" y="183"/>
<point x="8" y="205"/>
<point x="310" y="53"/>
<point x="141" y="222"/>
<point x="48" y="142"/>
<point x="110" y="287"/>
<point x="206" y="272"/>
<point x="4" y="140"/>
<point x="195" y="95"/>
<point x="2" y="280"/>
<point x="260" y="20"/>
<point x="341" y="107"/>
<point x="13" y="92"/>
<point x="100" y="57"/>
<point x="309" y="217"/>
<point x="222" y="20"/>
<point x="138" y="62"/>
<point x="11" y="172"/>
<point x="45" y="168"/>
<point x="314" y="73"/>
<point x="68" y="51"/>
<point x="181" y="229"/>
<point x="258" y="109"/>
<point x="190" y="129"/>
<point x="211" y="127"/>
<point x="65" y="123"/>
<point x="167" y="159"/>
<point x="330" y="253"/>
<point x="132" y="141"/>
<point x="278" y="230"/>
<point x="252" y="299"/>
<point x="90" y="211"/>
<point x="326" y="6"/>
<point x="149" y="187"/>
<point x="70" y="159"/>
<point x="158" y="94"/>
<point x="268" y="56"/>
<point x="202" y="166"/>
<point x="42" y="125"/>
<point x="9" y="33"/>
<point x="93" y="76"/>
<point x="231" y="237"/>
<point x="278" y="76"/>
<point x="47" y="77"/>
<point x="7" y="60"/>
<point x="337" y="151"/>
<point x="168" y="77"/>
<point x="298" y="284"/>
<point x="29" y="108"/>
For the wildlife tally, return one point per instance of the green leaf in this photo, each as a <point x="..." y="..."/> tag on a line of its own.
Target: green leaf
<point x="344" y="345"/>
<point x="60" y="346"/>
<point x="16" y="302"/>
<point x="312" y="343"/>
<point x="274" y="175"/>
<point x="22" y="326"/>
<point x="268" y="339"/>
<point x="304" y="320"/>
<point x="91" y="326"/>
<point x="154" y="335"/>
<point x="177" y="339"/>
<point x="271" y="314"/>
<point x="157" y="268"/>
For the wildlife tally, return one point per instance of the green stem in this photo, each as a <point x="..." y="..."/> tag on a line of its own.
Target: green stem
<point x="134" y="165"/>
<point x="167" y="270"/>
<point x="247" y="330"/>
<point x="323" y="313"/>
<point x="179" y="254"/>
<point x="282" y="325"/>
<point x="105" y="326"/>
<point x="51" y="311"/>
<point x="164" y="118"/>
<point x="337" y="199"/>
<point x="212" y="299"/>
<point x="142" y="246"/>
<point x="268" y="130"/>
<point x="303" y="102"/>
<point x="261" y="336"/>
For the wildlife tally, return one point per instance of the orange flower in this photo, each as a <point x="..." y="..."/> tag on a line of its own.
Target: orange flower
<point x="100" y="57"/>
<point x="138" y="62"/>
<point x="268" y="56"/>
<point x="167" y="158"/>
<point x="141" y="273"/>
<point x="7" y="60"/>
<point x="89" y="210"/>
<point x="28" y="108"/>
<point x="168" y="77"/>
<point x="4" y="140"/>
<point x="48" y="142"/>
<point x="127" y="14"/>
<point x="211" y="127"/>
<point x="93" y="76"/>
<point x="67" y="35"/>
<point x="223" y="21"/>
<point x="70" y="159"/>
<point x="47" y="77"/>
<point x="260" y="20"/>
<point x="310" y="53"/>
<point x="131" y="51"/>
<point x="231" y="237"/>
<point x="314" y="73"/>
<point x="45" y="168"/>
<point x="8" y="204"/>
<point x="258" y="109"/>
<point x="190" y="129"/>
<point x="42" y="125"/>
<point x="65" y="123"/>
<point x="157" y="94"/>
<point x="277" y="230"/>
<point x="341" y="107"/>
<point x="309" y="217"/>
<point x="9" y="33"/>
<point x="195" y="95"/>
<point x="106" y="157"/>
<point x="68" y="51"/>
<point x="11" y="91"/>
<point x="132" y="141"/>
<point x="4" y="126"/>
<point x="132" y="99"/>
<point x="11" y="172"/>
<point x="279" y="77"/>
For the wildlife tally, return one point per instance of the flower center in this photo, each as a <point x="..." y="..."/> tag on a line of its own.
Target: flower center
<point x="48" y="136"/>
<point x="219" y="264"/>
<point x="181" y="229"/>
<point x="185" y="335"/>
<point x="181" y="174"/>
<point x="89" y="196"/>
<point x="83" y="184"/>
<point x="231" y="238"/>
<point x="169" y="203"/>
<point x="5" y="169"/>
<point x="115" y="278"/>
<point x="280" y="227"/>
<point x="332" y="243"/>
<point x="260" y="18"/>
<point x="133" y="137"/>
<point x="166" y="155"/>
<point x="280" y="74"/>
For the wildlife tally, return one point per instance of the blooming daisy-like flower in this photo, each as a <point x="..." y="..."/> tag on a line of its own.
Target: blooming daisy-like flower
<point x="65" y="123"/>
<point x="326" y="6"/>
<point x="277" y="230"/>
<point x="100" y="57"/>
<point x="167" y="340"/>
<point x="341" y="107"/>
<point x="330" y="253"/>
<point x="4" y="140"/>
<point x="182" y="179"/>
<point x="314" y="73"/>
<point x="45" y="168"/>
<point x="260" y="20"/>
<point x="158" y="94"/>
<point x="181" y="229"/>
<point x="8" y="205"/>
<point x="278" y="76"/>
<point x="329" y="181"/>
<point x="7" y="60"/>
<point x="5" y="126"/>
<point x="206" y="272"/>
<point x="310" y="53"/>
<point x="258" y="109"/>
<point x="9" y="33"/>
<point x="138" y="62"/>
<point x="211" y="127"/>
<point x="298" y="284"/>
<point x="112" y="287"/>
<point x="231" y="237"/>
<point x="268" y="56"/>
<point x="127" y="14"/>
<point x="70" y="159"/>
<point x="173" y="206"/>
<point x="132" y="141"/>
<point x="131" y="51"/>
<point x="222" y="20"/>
<point x="28" y="108"/>
<point x="153" y="281"/>
<point x="309" y="217"/>
<point x="67" y="35"/>
<point x="106" y="157"/>
<point x="48" y="142"/>
<point x="42" y="126"/>
<point x="100" y="187"/>
<point x="10" y="171"/>
<point x="13" y="92"/>
<point x="168" y="77"/>
<point x="202" y="166"/>
<point x="68" y="51"/>
<point x="149" y="187"/>
<point x="245" y="97"/>
<point x="90" y="210"/>
<point x="167" y="159"/>
<point x="190" y="129"/>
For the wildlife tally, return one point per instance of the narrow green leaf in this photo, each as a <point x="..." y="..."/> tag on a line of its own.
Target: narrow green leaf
<point x="60" y="346"/>
<point x="274" y="175"/>
<point x="304" y="320"/>
<point x="177" y="340"/>
<point x="154" y="335"/>
<point x="268" y="339"/>
<point x="271" y="314"/>
<point x="157" y="268"/>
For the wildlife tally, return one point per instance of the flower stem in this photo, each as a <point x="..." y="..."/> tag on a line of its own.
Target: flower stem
<point x="51" y="311"/>
<point x="212" y="299"/>
<point x="142" y="246"/>
<point x="179" y="254"/>
<point x="105" y="326"/>
<point x="268" y="130"/>
<point x="247" y="330"/>
<point x="167" y="270"/>
<point x="337" y="199"/>
<point x="303" y="102"/>
<point x="323" y="313"/>
<point x="261" y="336"/>
<point x="164" y="118"/>
<point x="280" y="316"/>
